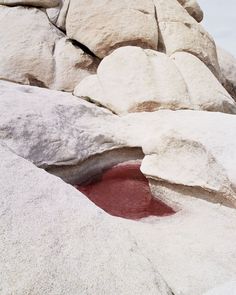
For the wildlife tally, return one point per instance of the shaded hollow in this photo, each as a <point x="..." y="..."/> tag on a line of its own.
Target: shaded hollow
<point x="123" y="191"/>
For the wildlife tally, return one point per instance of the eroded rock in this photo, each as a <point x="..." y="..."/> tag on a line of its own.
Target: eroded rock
<point x="202" y="156"/>
<point x="22" y="60"/>
<point x="193" y="9"/>
<point x="36" y="3"/>
<point x="205" y="91"/>
<point x="228" y="68"/>
<point x="132" y="80"/>
<point x="104" y="25"/>
<point x="56" y="63"/>
<point x="180" y="32"/>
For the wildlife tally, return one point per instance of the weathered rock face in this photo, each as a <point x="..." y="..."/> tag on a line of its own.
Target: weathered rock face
<point x="27" y="63"/>
<point x="71" y="65"/>
<point x="105" y="25"/>
<point x="97" y="28"/>
<point x="53" y="240"/>
<point x="205" y="91"/>
<point x="180" y="32"/>
<point x="187" y="150"/>
<point x="58" y="134"/>
<point x="132" y="80"/>
<point x="43" y="217"/>
<point x="227" y="288"/>
<point x="193" y="9"/>
<point x="60" y="226"/>
<point x="37" y="3"/>
<point x="228" y="68"/>
<point x="56" y="63"/>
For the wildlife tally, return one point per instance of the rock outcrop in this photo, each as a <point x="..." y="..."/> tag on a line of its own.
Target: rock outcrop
<point x="36" y="3"/>
<point x="148" y="123"/>
<point x="132" y="80"/>
<point x="193" y="9"/>
<point x="103" y="25"/>
<point x="187" y="150"/>
<point x="50" y="236"/>
<point x="46" y="59"/>
<point x="228" y="68"/>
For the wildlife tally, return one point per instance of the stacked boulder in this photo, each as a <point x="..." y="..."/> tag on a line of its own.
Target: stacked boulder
<point x="86" y="85"/>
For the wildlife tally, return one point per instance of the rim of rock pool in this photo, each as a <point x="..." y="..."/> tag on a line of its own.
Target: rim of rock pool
<point x="114" y="182"/>
<point x="123" y="191"/>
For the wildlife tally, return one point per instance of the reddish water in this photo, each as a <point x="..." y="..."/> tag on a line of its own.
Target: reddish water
<point x="123" y="191"/>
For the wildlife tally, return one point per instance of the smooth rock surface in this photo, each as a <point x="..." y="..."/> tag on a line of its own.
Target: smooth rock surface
<point x="189" y="151"/>
<point x="228" y="288"/>
<point x="228" y="68"/>
<point x="132" y="80"/>
<point x="205" y="91"/>
<point x="22" y="60"/>
<point x="172" y="172"/>
<point x="57" y="63"/>
<point x="104" y="25"/>
<point x="180" y="32"/>
<point x="51" y="127"/>
<point x="36" y="3"/>
<point x="193" y="9"/>
<point x="200" y="156"/>
<point x="72" y="64"/>
<point x="50" y="235"/>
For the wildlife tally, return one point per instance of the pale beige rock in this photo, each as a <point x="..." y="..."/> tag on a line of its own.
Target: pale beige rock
<point x="54" y="128"/>
<point x="36" y="3"/>
<point x="180" y="32"/>
<point x="228" y="68"/>
<point x="72" y="64"/>
<point x="105" y="25"/>
<point x="226" y="288"/>
<point x="61" y="20"/>
<point x="53" y="14"/>
<point x="132" y="79"/>
<point x="192" y="152"/>
<point x="191" y="149"/>
<point x="205" y="90"/>
<point x="41" y="216"/>
<point x="27" y="57"/>
<point x="193" y="8"/>
<point x="50" y="235"/>
<point x="55" y="64"/>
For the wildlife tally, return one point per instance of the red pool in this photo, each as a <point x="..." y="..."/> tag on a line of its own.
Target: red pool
<point x="123" y="191"/>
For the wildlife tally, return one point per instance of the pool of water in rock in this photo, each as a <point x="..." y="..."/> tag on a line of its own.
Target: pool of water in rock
<point x="124" y="191"/>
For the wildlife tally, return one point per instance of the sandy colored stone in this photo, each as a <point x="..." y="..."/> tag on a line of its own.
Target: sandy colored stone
<point x="57" y="63"/>
<point x="228" y="68"/>
<point x="104" y="25"/>
<point x="227" y="288"/>
<point x="193" y="8"/>
<point x="61" y="20"/>
<point x="36" y="3"/>
<point x="206" y="92"/>
<point x="132" y="79"/>
<point x="72" y="64"/>
<point x="43" y="217"/>
<point x="22" y="60"/>
<point x="49" y="244"/>
<point x="190" y="149"/>
<point x="180" y="32"/>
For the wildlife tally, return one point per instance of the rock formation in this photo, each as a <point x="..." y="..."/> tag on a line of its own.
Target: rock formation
<point x="128" y="104"/>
